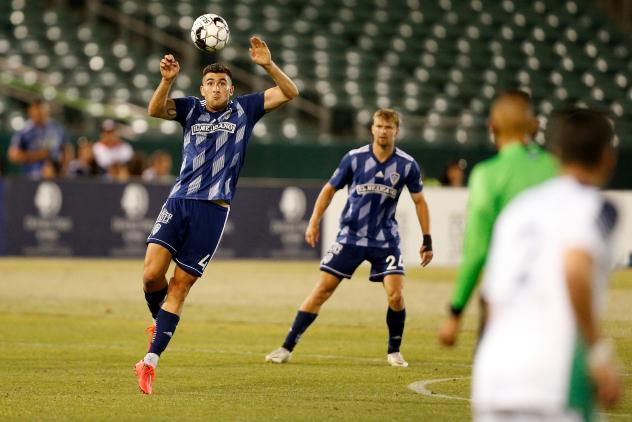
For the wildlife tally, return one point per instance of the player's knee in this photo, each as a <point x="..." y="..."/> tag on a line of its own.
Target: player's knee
<point x="152" y="275"/>
<point x="396" y="300"/>
<point x="179" y="288"/>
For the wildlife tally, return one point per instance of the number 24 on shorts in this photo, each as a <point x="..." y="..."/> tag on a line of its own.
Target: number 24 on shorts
<point x="390" y="260"/>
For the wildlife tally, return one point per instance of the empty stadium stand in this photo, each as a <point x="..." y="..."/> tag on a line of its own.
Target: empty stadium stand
<point x="439" y="62"/>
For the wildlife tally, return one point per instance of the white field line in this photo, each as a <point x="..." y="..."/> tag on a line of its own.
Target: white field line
<point x="420" y="387"/>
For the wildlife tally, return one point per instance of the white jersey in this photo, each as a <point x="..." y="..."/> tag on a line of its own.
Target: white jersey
<point x="524" y="361"/>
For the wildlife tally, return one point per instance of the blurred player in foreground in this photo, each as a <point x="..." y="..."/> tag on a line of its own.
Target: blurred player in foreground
<point x="376" y="175"/>
<point x="518" y="165"/>
<point x="545" y="286"/>
<point x="190" y="224"/>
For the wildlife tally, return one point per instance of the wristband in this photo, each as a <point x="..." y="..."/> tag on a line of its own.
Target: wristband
<point x="454" y="311"/>
<point x="600" y="353"/>
<point x="427" y="242"/>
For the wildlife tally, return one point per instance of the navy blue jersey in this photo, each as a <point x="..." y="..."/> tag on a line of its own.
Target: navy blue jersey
<point x="214" y="146"/>
<point x="368" y="218"/>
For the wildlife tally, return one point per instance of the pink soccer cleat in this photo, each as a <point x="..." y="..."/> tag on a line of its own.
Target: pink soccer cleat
<point x="146" y="375"/>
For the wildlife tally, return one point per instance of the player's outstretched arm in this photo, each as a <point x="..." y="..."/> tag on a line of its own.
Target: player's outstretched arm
<point x="312" y="233"/>
<point x="423" y="215"/>
<point x="161" y="105"/>
<point x="285" y="90"/>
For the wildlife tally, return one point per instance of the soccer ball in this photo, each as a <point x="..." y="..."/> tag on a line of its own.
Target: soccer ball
<point x="210" y="33"/>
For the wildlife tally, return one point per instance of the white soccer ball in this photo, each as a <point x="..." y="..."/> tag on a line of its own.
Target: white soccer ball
<point x="210" y="33"/>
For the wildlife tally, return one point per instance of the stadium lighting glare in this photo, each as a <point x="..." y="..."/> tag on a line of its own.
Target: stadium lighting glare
<point x="96" y="63"/>
<point x="29" y="77"/>
<point x="49" y="93"/>
<point x="91" y="49"/>
<point x="50" y="18"/>
<point x="168" y="127"/>
<point x="185" y="22"/>
<point x="290" y="130"/>
<point x="17" y="17"/>
<point x="260" y="130"/>
<point x="461" y="136"/>
<point x="126" y="64"/>
<point x="330" y="99"/>
<point x="411" y="104"/>
<point x="140" y="126"/>
<point x="383" y="102"/>
<point x="430" y="135"/>
<point x="122" y="111"/>
<point x="96" y="109"/>
<point x="17" y="123"/>
<point x="20" y="32"/>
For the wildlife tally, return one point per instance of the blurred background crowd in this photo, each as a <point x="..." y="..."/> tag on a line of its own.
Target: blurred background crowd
<point x="440" y="63"/>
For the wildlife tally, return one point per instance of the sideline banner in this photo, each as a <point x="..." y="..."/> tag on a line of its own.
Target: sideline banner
<point x="447" y="224"/>
<point x="90" y="218"/>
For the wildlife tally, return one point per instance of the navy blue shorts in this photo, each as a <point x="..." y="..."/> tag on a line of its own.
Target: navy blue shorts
<point x="191" y="230"/>
<point x="342" y="260"/>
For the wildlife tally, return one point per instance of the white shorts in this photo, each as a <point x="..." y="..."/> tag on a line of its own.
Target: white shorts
<point x="524" y="416"/>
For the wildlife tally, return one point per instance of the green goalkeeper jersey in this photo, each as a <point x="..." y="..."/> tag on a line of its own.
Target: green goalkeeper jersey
<point x="493" y="184"/>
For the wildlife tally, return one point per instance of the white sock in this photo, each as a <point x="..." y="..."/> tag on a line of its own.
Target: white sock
<point x="151" y="359"/>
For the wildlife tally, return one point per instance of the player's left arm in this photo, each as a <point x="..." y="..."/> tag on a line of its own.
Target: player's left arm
<point x="285" y="89"/>
<point x="423" y="215"/>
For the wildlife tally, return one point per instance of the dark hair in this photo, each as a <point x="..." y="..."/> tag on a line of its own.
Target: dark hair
<point x="580" y="135"/>
<point x="217" y="68"/>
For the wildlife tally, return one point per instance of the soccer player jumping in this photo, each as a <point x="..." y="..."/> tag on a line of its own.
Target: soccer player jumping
<point x="191" y="222"/>
<point x="376" y="175"/>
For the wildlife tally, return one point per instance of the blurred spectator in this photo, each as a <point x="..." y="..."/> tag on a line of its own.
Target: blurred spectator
<point x="40" y="139"/>
<point x="159" y="169"/>
<point x="454" y="174"/>
<point x="112" y="153"/>
<point x="84" y="164"/>
<point x="50" y="170"/>
<point x="137" y="164"/>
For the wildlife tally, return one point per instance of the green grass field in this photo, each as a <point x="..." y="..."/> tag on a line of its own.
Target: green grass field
<point x="71" y="330"/>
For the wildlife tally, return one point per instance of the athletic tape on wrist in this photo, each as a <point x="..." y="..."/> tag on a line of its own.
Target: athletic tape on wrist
<point x="427" y="242"/>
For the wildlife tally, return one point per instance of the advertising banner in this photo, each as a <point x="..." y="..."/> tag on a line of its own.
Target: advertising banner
<point x="89" y="218"/>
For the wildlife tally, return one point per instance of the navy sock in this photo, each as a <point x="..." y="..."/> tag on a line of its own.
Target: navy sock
<point x="154" y="301"/>
<point x="301" y="322"/>
<point x="395" y="321"/>
<point x="166" y="324"/>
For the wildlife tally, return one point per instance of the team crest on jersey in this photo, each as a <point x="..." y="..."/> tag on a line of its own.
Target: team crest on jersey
<point x="394" y="178"/>
<point x="206" y="128"/>
<point x="157" y="227"/>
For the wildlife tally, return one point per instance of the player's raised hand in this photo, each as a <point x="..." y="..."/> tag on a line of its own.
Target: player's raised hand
<point x="259" y="51"/>
<point x="312" y="234"/>
<point x="169" y="67"/>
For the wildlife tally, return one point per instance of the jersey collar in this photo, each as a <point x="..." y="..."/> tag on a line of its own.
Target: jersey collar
<point x="390" y="157"/>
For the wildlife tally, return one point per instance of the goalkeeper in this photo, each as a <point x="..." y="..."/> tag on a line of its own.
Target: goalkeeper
<point x="493" y="183"/>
